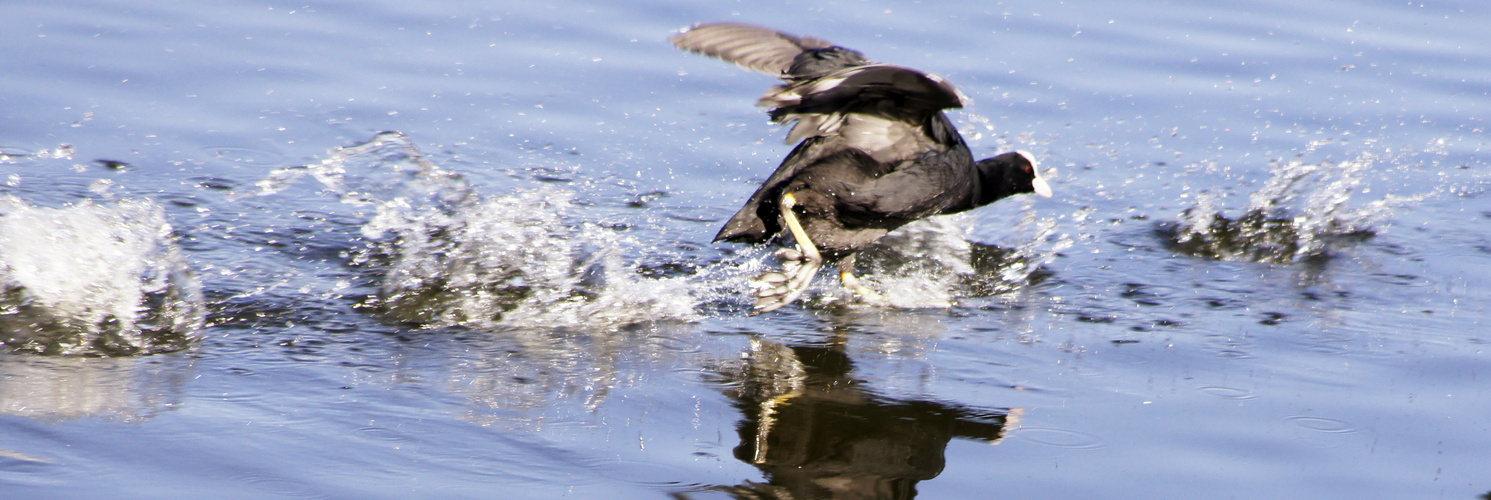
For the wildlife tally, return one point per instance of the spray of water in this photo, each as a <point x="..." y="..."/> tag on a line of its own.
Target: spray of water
<point x="450" y="256"/>
<point x="1302" y="212"/>
<point x="94" y="279"/>
<point x="446" y="255"/>
<point x="514" y="261"/>
<point x="933" y="263"/>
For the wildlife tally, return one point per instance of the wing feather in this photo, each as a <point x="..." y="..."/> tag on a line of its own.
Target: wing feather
<point x="751" y="47"/>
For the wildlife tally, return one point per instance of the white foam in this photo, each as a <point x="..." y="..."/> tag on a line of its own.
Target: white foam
<point x="450" y="256"/>
<point x="108" y="279"/>
<point x="515" y="261"/>
<point x="935" y="262"/>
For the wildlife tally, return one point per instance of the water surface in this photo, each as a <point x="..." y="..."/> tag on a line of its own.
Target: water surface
<point x="461" y="249"/>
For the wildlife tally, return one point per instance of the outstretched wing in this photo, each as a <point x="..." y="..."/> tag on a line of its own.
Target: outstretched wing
<point x="836" y="101"/>
<point x="750" y="47"/>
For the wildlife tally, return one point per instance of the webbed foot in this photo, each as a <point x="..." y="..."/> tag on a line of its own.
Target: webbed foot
<point x="777" y="289"/>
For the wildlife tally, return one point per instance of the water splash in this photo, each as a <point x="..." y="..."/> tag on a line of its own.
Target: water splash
<point x="449" y="256"/>
<point x="932" y="263"/>
<point x="1302" y="212"/>
<point x="95" y="280"/>
<point x="922" y="263"/>
<point x="1024" y="263"/>
<point x="513" y="261"/>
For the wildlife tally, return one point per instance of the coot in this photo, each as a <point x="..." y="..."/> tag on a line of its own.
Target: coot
<point x="874" y="153"/>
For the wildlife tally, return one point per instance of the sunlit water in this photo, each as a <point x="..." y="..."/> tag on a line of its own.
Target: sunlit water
<point x="1264" y="273"/>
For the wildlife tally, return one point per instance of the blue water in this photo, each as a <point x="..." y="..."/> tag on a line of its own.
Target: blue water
<point x="514" y="295"/>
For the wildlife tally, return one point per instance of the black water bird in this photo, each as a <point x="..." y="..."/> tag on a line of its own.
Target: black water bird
<point x="874" y="153"/>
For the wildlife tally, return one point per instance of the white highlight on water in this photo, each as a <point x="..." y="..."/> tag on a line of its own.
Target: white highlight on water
<point x="94" y="276"/>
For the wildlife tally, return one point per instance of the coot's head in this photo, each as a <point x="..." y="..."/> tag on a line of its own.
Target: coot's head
<point x="1010" y="174"/>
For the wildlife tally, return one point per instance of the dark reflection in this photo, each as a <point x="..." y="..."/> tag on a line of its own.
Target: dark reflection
<point x="818" y="432"/>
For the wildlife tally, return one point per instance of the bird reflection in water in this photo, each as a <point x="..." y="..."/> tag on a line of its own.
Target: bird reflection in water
<point x="818" y="432"/>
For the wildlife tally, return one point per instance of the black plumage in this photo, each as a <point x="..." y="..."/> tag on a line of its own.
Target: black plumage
<point x="874" y="153"/>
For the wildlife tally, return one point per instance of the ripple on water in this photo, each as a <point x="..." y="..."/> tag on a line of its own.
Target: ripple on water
<point x="1321" y="424"/>
<point x="1146" y="294"/>
<point x="240" y="396"/>
<point x="242" y="372"/>
<point x="1407" y="280"/>
<point x="1228" y="392"/>
<point x="675" y="344"/>
<point x="1059" y="438"/>
<point x="18" y="468"/>
<point x="277" y="486"/>
<point x="382" y="434"/>
<point x="639" y="472"/>
<point x="246" y="155"/>
<point x="1234" y="354"/>
<point x="1129" y="356"/>
<point x="1134" y="240"/>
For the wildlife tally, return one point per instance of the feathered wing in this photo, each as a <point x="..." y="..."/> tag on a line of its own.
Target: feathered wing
<point x="833" y="98"/>
<point x="820" y="106"/>
<point x="750" y="47"/>
<point x="907" y="87"/>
